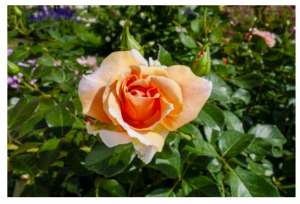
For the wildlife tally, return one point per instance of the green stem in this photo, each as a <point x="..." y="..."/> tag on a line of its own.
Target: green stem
<point x="179" y="179"/>
<point x="288" y="186"/>
<point x="204" y="23"/>
<point x="34" y="88"/>
<point x="226" y="164"/>
<point x="25" y="83"/>
<point x="135" y="179"/>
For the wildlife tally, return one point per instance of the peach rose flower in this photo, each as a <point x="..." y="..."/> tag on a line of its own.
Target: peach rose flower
<point x="133" y="102"/>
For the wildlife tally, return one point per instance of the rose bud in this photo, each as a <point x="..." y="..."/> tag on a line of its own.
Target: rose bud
<point x="201" y="63"/>
<point x="127" y="40"/>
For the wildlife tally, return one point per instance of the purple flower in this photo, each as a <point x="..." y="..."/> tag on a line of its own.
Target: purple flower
<point x="56" y="64"/>
<point x="16" y="79"/>
<point x="56" y="13"/>
<point x="241" y="7"/>
<point x="9" y="52"/>
<point x="10" y="80"/>
<point x="292" y="30"/>
<point x="31" y="61"/>
<point x="33" y="69"/>
<point x="248" y="11"/>
<point x="15" y="86"/>
<point x="23" y="64"/>
<point x="33" y="81"/>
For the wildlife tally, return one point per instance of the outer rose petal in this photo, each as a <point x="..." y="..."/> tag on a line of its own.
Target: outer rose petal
<point x="145" y="153"/>
<point x="195" y="92"/>
<point x="89" y="86"/>
<point x="145" y="137"/>
<point x="109" y="137"/>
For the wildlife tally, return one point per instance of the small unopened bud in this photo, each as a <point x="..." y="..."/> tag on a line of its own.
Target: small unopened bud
<point x="127" y="40"/>
<point x="221" y="7"/>
<point x="12" y="68"/>
<point x="17" y="11"/>
<point x="201" y="63"/>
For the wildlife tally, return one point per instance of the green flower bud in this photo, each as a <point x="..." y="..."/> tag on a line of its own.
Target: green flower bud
<point x="12" y="68"/>
<point x="127" y="40"/>
<point x="17" y="11"/>
<point x="201" y="63"/>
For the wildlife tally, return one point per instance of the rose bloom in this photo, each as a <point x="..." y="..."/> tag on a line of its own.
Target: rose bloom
<point x="268" y="37"/>
<point x="136" y="103"/>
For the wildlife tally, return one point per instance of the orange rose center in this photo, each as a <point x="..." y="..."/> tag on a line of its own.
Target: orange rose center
<point x="140" y="102"/>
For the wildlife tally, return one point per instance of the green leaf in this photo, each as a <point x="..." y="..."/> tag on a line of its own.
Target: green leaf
<point x="212" y="116"/>
<point x="168" y="162"/>
<point x="247" y="81"/>
<point x="112" y="186"/>
<point x="19" y="187"/>
<point x="38" y="189"/>
<point x="75" y="160"/>
<point x="42" y="72"/>
<point x="72" y="185"/>
<point x="164" y="57"/>
<point x="54" y="34"/>
<point x="264" y="169"/>
<point x="233" y="122"/>
<point x="211" y="135"/>
<point x="211" y="164"/>
<point x="59" y="118"/>
<point x="270" y="134"/>
<point x="220" y="90"/>
<point x="24" y="147"/>
<point x="161" y="192"/>
<point x="242" y="94"/>
<point x="196" y="25"/>
<point x="205" y="185"/>
<point x="45" y="105"/>
<point x="22" y="112"/>
<point x="47" y="154"/>
<point x="202" y="148"/>
<point x="57" y="75"/>
<point x="109" y="161"/>
<point x="187" y="41"/>
<point x="247" y="184"/>
<point x="186" y="187"/>
<point x="24" y="164"/>
<point x="232" y="142"/>
<point x="30" y="125"/>
<point x="260" y="147"/>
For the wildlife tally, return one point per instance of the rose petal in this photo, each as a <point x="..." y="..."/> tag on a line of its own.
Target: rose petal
<point x="89" y="87"/>
<point x="147" y="137"/>
<point x="90" y="93"/>
<point x="195" y="92"/>
<point x="145" y="153"/>
<point x="110" y="138"/>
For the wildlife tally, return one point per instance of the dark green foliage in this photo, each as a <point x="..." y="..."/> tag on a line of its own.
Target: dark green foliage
<point x="242" y="143"/>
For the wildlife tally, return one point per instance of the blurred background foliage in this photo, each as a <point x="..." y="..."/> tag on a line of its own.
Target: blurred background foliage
<point x="241" y="144"/>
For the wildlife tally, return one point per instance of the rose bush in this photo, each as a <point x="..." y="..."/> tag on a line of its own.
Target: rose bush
<point x="141" y="103"/>
<point x="242" y="142"/>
